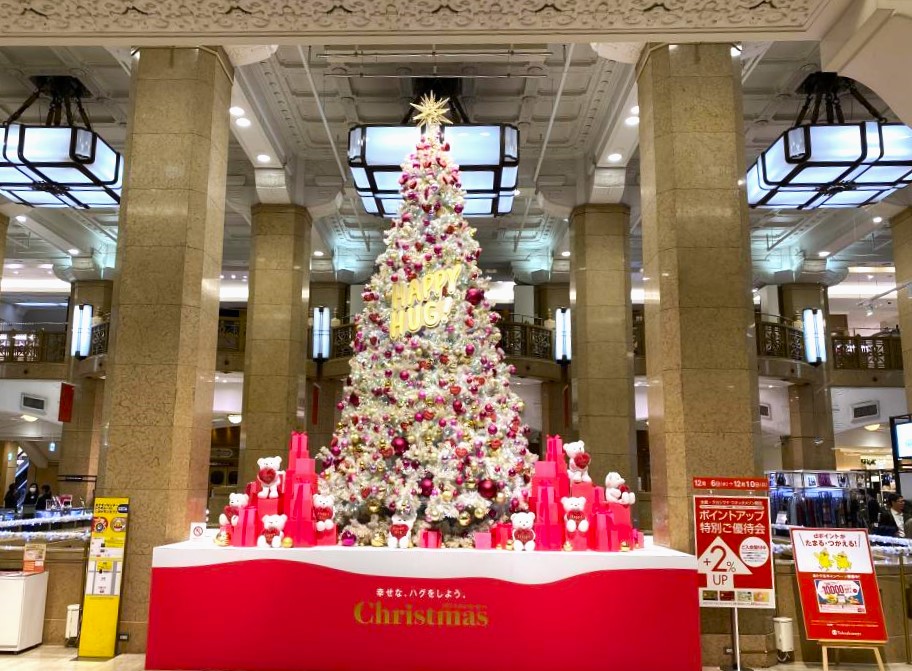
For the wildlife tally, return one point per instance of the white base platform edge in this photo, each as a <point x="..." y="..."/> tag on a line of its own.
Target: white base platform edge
<point x="529" y="568"/>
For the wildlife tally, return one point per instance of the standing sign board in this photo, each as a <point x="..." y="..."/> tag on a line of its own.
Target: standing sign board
<point x="734" y="552"/>
<point x="838" y="587"/>
<point x="33" y="557"/>
<point x="104" y="577"/>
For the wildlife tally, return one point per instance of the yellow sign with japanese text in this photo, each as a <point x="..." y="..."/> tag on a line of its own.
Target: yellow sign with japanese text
<point x="104" y="577"/>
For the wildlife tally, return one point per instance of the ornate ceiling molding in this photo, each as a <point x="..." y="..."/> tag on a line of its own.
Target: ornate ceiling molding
<point x="272" y="21"/>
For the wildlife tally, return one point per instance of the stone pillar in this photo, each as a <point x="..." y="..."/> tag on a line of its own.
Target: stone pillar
<point x="702" y="368"/>
<point x="810" y="442"/>
<point x="603" y="337"/>
<point x="81" y="437"/>
<point x="164" y="325"/>
<point x="276" y="343"/>
<point x="901" y="226"/>
<point x="556" y="410"/>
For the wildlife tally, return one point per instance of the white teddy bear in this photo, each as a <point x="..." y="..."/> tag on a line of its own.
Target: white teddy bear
<point x="523" y="535"/>
<point x="400" y="530"/>
<point x="578" y="469"/>
<point x="616" y="491"/>
<point x="575" y="514"/>
<point x="273" y="531"/>
<point x="323" y="511"/>
<point x="269" y="477"/>
<point x="230" y="513"/>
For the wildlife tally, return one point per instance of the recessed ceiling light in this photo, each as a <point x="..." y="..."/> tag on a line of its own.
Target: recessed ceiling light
<point x="29" y="418"/>
<point x="46" y="266"/>
<point x="615" y="157"/>
<point x="632" y="120"/>
<point x="73" y="251"/>
<point x="233" y="276"/>
<point x="872" y="427"/>
<point x="877" y="220"/>
<point x="318" y="252"/>
<point x="635" y="110"/>
<point x="236" y="111"/>
<point x="242" y="122"/>
<point x="21" y="218"/>
<point x="222" y="276"/>
<point x="823" y="254"/>
<point x="13" y="265"/>
<point x="235" y="418"/>
<point x="263" y="158"/>
<point x="244" y="278"/>
<point x="565" y="253"/>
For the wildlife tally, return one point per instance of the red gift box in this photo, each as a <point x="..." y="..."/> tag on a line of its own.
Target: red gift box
<point x="429" y="538"/>
<point x="266" y="507"/>
<point x="502" y="532"/>
<point x="246" y="530"/>
<point x="300" y="524"/>
<point x="600" y="533"/>
<point x="327" y="537"/>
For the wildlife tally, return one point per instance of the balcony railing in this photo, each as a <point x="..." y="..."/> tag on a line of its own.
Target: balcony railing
<point x="778" y="339"/>
<point x="526" y="340"/>
<point x="32" y="346"/>
<point x="867" y="352"/>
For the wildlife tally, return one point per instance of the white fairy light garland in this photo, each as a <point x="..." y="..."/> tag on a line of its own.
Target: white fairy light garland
<point x="40" y="521"/>
<point x="51" y="536"/>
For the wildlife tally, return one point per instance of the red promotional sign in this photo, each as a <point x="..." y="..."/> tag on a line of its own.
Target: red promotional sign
<point x="838" y="587"/>
<point x="746" y="484"/>
<point x="734" y="552"/>
<point x="65" y="412"/>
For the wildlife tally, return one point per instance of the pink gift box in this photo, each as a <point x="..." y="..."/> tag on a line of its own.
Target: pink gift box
<point x="245" y="531"/>
<point x="600" y="532"/>
<point x="483" y="540"/>
<point x="620" y="513"/>
<point x="327" y="537"/>
<point x="267" y="507"/>
<point x="300" y="525"/>
<point x="586" y="490"/>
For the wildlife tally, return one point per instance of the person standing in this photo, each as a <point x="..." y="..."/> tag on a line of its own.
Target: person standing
<point x="893" y="521"/>
<point x="42" y="502"/>
<point x="11" y="498"/>
<point x="31" y="496"/>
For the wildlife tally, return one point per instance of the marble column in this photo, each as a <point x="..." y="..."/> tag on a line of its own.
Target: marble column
<point x="81" y="437"/>
<point x="161" y="357"/>
<point x="602" y="369"/>
<point x="901" y="227"/>
<point x="810" y="443"/>
<point x="703" y="395"/>
<point x="275" y="349"/>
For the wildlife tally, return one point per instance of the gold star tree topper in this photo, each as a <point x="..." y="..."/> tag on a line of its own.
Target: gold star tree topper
<point x="431" y="110"/>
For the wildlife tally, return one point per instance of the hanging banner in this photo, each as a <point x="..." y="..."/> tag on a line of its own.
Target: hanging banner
<point x="734" y="552"/>
<point x="840" y="600"/>
<point x="104" y="578"/>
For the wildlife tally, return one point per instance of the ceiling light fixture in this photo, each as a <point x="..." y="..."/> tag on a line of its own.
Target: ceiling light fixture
<point x="615" y="157"/>
<point x="832" y="163"/>
<point x="236" y="111"/>
<point x="21" y="218"/>
<point x="872" y="269"/>
<point x="632" y="121"/>
<point x="73" y="251"/>
<point x="46" y="266"/>
<point x="13" y="265"/>
<point x="242" y="122"/>
<point x="635" y="110"/>
<point x="235" y="417"/>
<point x="29" y="418"/>
<point x="487" y="155"/>
<point x="565" y="253"/>
<point x="735" y="50"/>
<point x="263" y="158"/>
<point x="63" y="163"/>
<point x="877" y="220"/>
<point x="823" y="254"/>
<point x="872" y="427"/>
<point x="318" y="253"/>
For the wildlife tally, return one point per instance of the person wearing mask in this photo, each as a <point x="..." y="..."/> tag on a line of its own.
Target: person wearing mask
<point x="11" y="499"/>
<point x="893" y="521"/>
<point x="42" y="502"/>
<point x="31" y="496"/>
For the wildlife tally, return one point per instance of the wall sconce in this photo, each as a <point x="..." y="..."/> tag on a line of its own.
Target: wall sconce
<point x="235" y="417"/>
<point x="81" y="341"/>
<point x="814" y="336"/>
<point x="322" y="329"/>
<point x="562" y="347"/>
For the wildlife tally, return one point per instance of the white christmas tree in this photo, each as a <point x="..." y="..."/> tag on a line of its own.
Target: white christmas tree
<point x="429" y="425"/>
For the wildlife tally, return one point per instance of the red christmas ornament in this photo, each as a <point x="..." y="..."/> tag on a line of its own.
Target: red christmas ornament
<point x="399" y="445"/>
<point x="487" y="488"/>
<point x="455" y="389"/>
<point x="474" y="295"/>
<point x="461" y="452"/>
<point x="426" y="485"/>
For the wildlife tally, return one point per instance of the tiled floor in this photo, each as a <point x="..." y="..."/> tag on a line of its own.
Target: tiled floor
<point x="56" y="658"/>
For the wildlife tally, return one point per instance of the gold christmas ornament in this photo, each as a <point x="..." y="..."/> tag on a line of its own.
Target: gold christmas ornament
<point x="509" y="545"/>
<point x="447" y="495"/>
<point x="378" y="540"/>
<point x="500" y="498"/>
<point x="480" y="513"/>
<point x="625" y="547"/>
<point x="223" y="539"/>
<point x="464" y="518"/>
<point x="568" y="546"/>
<point x="373" y="506"/>
<point x="287" y="542"/>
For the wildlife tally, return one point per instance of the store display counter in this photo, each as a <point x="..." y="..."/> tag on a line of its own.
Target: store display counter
<point x="339" y="609"/>
<point x="22" y="600"/>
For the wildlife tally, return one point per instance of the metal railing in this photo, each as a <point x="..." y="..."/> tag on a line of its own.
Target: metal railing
<point x="526" y="340"/>
<point x="32" y="346"/>
<point x="780" y="340"/>
<point x="867" y="352"/>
